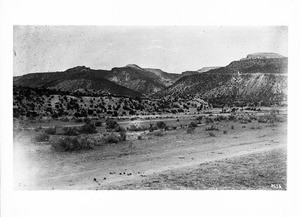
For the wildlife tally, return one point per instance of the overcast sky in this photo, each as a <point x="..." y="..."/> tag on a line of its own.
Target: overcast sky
<point x="170" y="48"/>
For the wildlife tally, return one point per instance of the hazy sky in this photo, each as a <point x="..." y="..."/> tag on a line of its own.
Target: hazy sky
<point x="170" y="48"/>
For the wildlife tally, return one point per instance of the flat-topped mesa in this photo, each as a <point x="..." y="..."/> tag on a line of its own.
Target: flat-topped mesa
<point x="263" y="55"/>
<point x="133" y="66"/>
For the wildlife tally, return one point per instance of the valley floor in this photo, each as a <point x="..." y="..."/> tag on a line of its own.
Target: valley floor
<point x="246" y="156"/>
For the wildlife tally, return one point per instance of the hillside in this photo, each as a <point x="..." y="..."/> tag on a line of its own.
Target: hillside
<point x="247" y="81"/>
<point x="75" y="79"/>
<point x="146" y="81"/>
<point x="31" y="102"/>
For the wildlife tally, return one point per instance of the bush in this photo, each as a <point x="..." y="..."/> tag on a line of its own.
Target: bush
<point x="42" y="137"/>
<point x="37" y="129"/>
<point x="98" y="124"/>
<point x="220" y="118"/>
<point x="70" y="131"/>
<point x="135" y="127"/>
<point x="262" y="120"/>
<point x="199" y="119"/>
<point x="72" y="144"/>
<point x="119" y="129"/>
<point x="87" y="129"/>
<point x="87" y="120"/>
<point x="140" y="137"/>
<point x="161" y="125"/>
<point x="232" y="118"/>
<point x="79" y="120"/>
<point x="211" y="134"/>
<point x="51" y="130"/>
<point x="112" y="138"/>
<point x="152" y="128"/>
<point x="190" y="130"/>
<point x="209" y="120"/>
<point x="225" y="132"/>
<point x="111" y="124"/>
<point x="123" y="135"/>
<point x="193" y="124"/>
<point x="158" y="133"/>
<point x="212" y="128"/>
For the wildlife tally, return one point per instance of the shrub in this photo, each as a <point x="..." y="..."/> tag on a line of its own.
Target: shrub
<point x="209" y="120"/>
<point x="211" y="134"/>
<point x="87" y="129"/>
<point x="79" y="120"/>
<point x="111" y="124"/>
<point x="37" y="129"/>
<point x="158" y="133"/>
<point x="72" y="144"/>
<point x="87" y="120"/>
<point x="119" y="129"/>
<point x="199" y="119"/>
<point x="161" y="125"/>
<point x="140" y="137"/>
<point x="70" y="131"/>
<point x="212" y="128"/>
<point x="232" y="127"/>
<point x="220" y="118"/>
<point x="42" y="137"/>
<point x="190" y="130"/>
<point x="152" y="128"/>
<point x="193" y="124"/>
<point x="135" y="127"/>
<point x="112" y="138"/>
<point x="262" y="120"/>
<point x="123" y="135"/>
<point x="50" y="130"/>
<point x="224" y="131"/>
<point x="232" y="117"/>
<point x="98" y="123"/>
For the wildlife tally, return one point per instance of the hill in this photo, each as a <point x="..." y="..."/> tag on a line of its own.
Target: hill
<point x="75" y="79"/>
<point x="247" y="81"/>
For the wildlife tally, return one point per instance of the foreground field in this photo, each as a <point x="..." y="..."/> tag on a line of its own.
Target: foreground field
<point x="236" y="156"/>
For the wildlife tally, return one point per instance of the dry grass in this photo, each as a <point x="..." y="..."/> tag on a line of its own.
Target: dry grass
<point x="255" y="171"/>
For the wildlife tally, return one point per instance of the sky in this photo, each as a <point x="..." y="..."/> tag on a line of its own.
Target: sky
<point x="171" y="48"/>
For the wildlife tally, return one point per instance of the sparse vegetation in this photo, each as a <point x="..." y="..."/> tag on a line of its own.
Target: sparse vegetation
<point x="211" y="134"/>
<point x="193" y="124"/>
<point x="161" y="125"/>
<point x="70" y="131"/>
<point x="51" y="130"/>
<point x="212" y="128"/>
<point x="98" y="124"/>
<point x="190" y="130"/>
<point x="87" y="128"/>
<point x="72" y="144"/>
<point x="159" y="133"/>
<point x="111" y="124"/>
<point x="41" y="137"/>
<point x="112" y="138"/>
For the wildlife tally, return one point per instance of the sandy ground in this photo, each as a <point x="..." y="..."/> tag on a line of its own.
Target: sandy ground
<point x="112" y="166"/>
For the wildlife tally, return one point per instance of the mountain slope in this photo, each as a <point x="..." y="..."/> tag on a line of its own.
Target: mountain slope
<point x="249" y="80"/>
<point x="146" y="81"/>
<point x="75" y="79"/>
